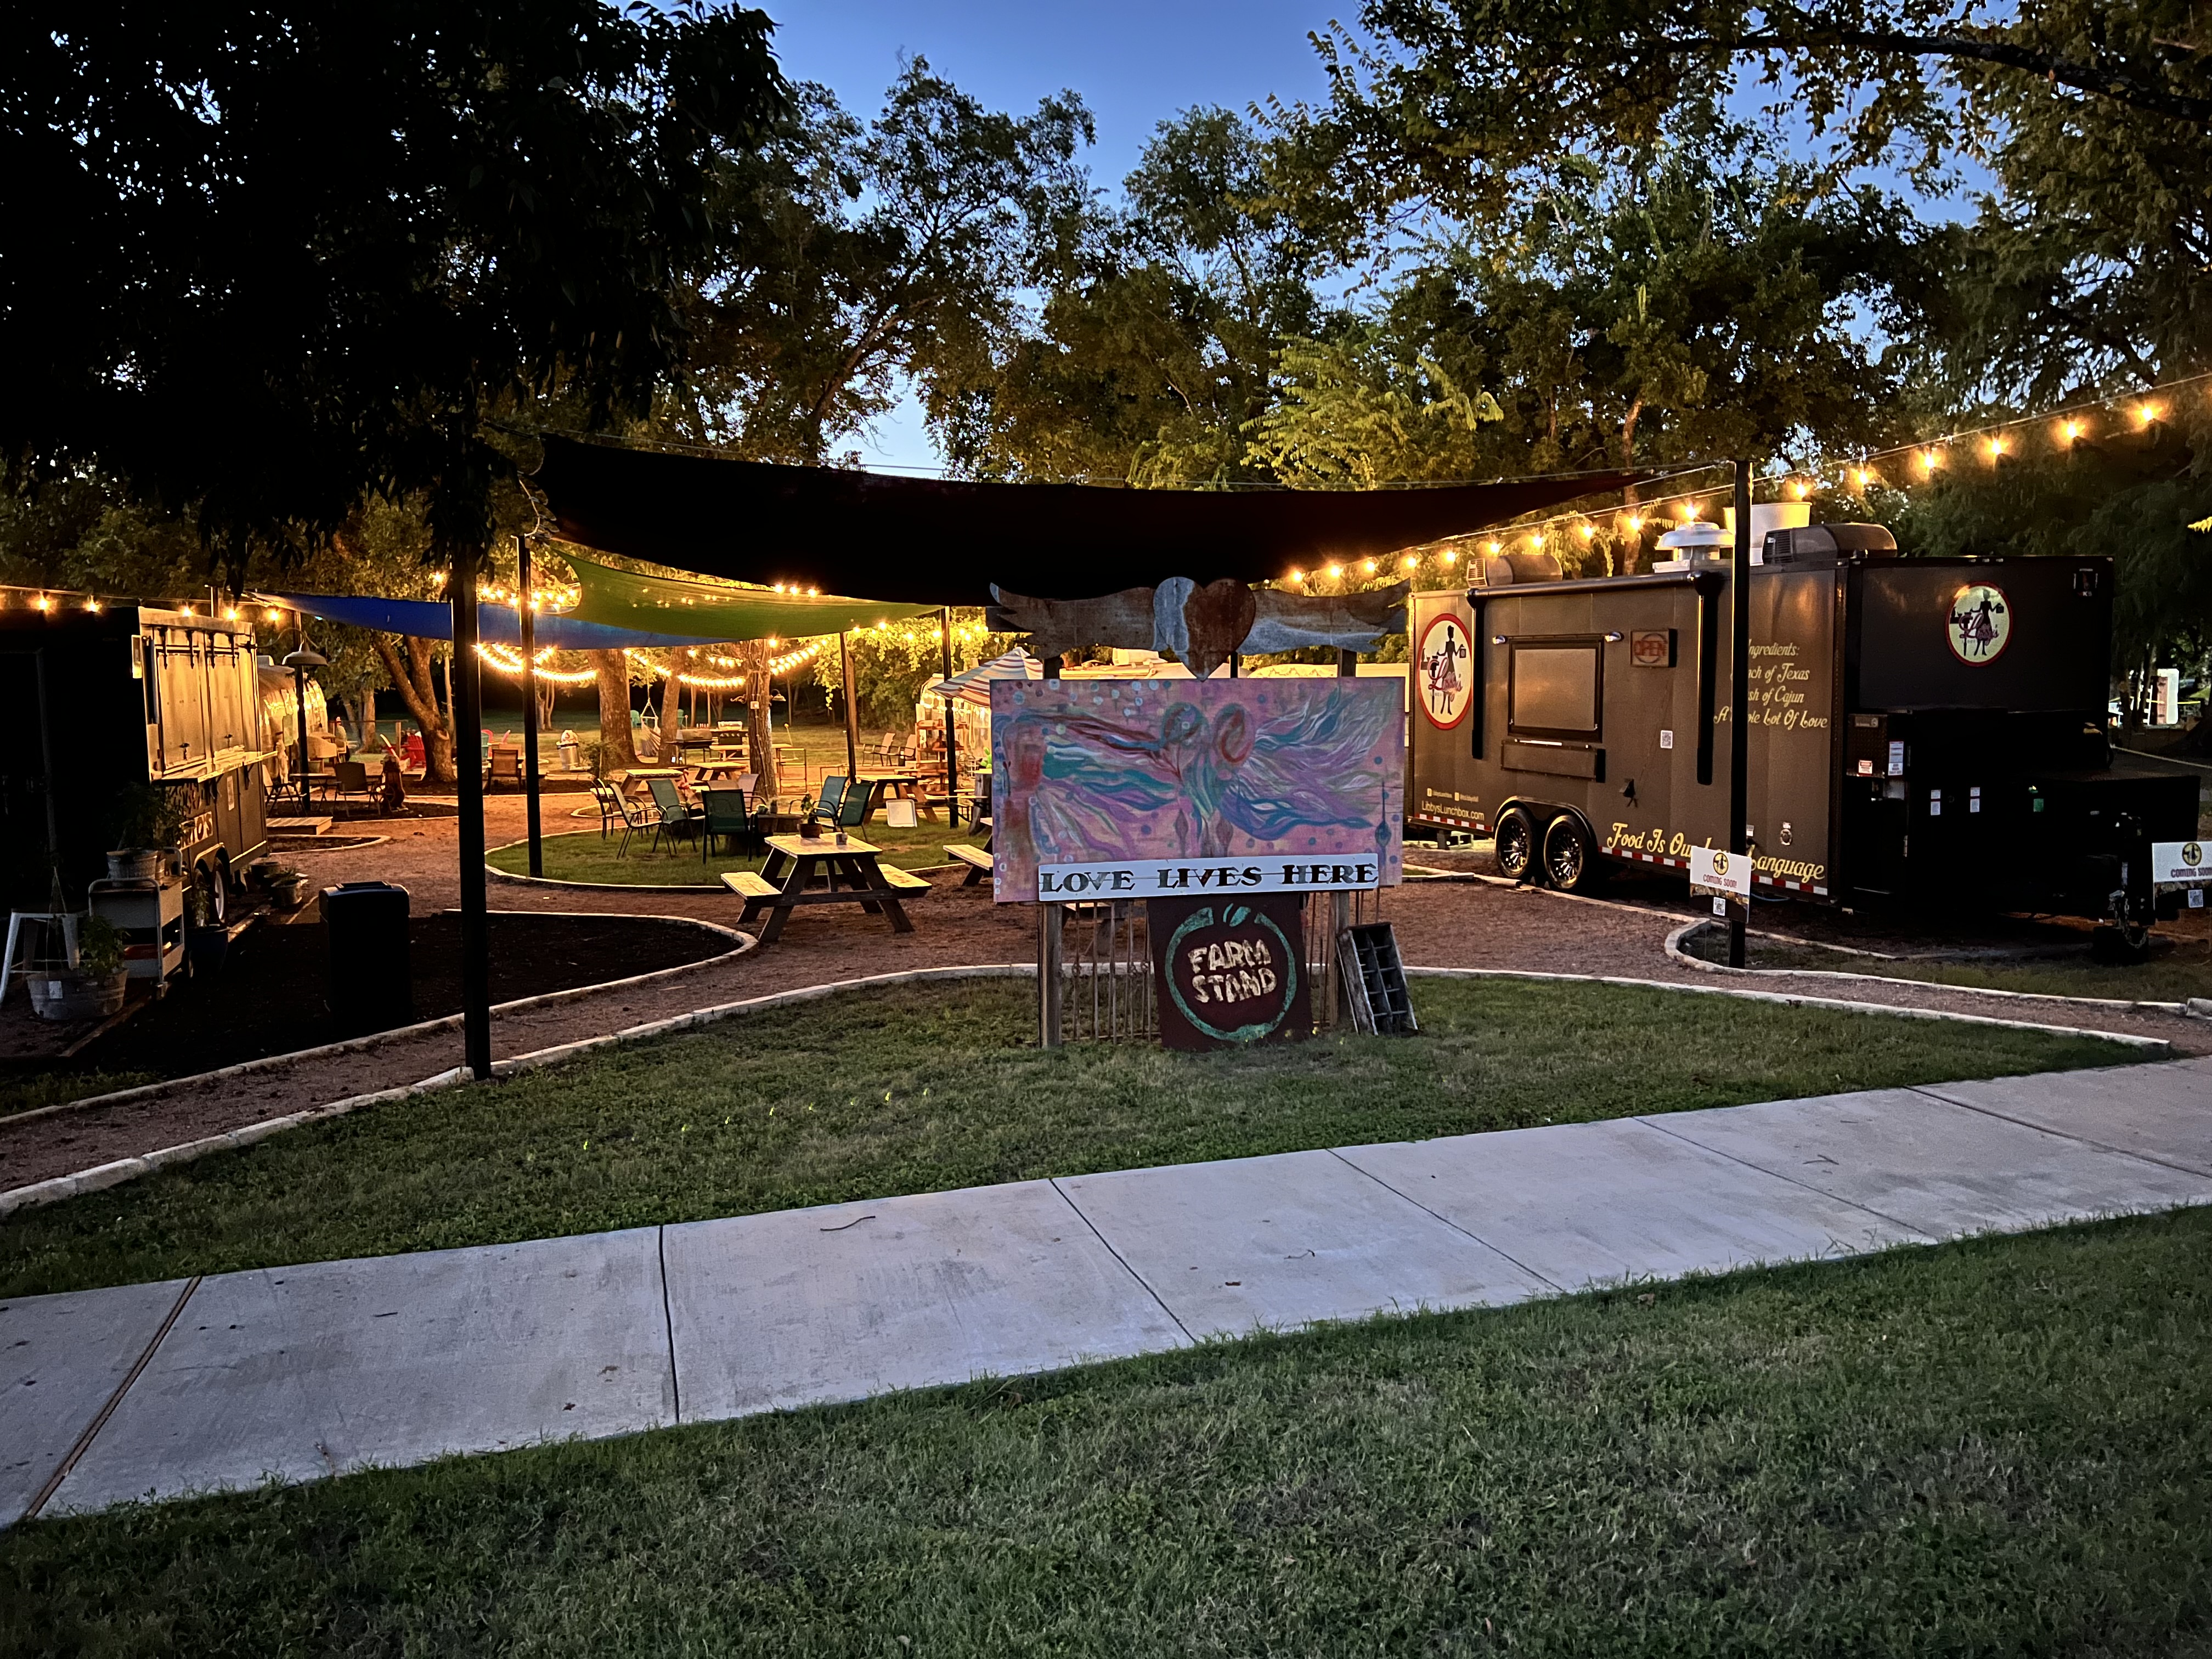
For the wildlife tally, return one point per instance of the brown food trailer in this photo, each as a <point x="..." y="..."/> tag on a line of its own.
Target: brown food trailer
<point x="1923" y="731"/>
<point x="128" y="695"/>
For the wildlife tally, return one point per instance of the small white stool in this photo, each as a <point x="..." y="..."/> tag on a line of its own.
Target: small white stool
<point x="47" y="918"/>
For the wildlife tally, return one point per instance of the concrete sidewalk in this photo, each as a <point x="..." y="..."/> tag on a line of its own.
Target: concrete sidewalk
<point x="285" y="1374"/>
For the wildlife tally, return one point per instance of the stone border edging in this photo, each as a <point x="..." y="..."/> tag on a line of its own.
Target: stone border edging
<point x="1675" y="952"/>
<point x="121" y="1169"/>
<point x="443" y="1022"/>
<point x="2127" y="1038"/>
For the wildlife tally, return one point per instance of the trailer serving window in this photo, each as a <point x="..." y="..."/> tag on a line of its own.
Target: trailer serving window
<point x="1555" y="688"/>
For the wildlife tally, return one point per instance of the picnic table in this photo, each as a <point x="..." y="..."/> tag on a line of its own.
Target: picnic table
<point x="897" y="786"/>
<point x="853" y="873"/>
<point x="644" y="775"/>
<point x="722" y="766"/>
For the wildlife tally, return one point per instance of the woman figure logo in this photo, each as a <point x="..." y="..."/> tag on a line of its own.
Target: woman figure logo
<point x="1445" y="662"/>
<point x="1980" y="623"/>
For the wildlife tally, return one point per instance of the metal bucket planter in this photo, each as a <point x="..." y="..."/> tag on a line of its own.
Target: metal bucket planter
<point x="206" y="947"/>
<point x="65" y="996"/>
<point x="290" y="893"/>
<point x="134" y="864"/>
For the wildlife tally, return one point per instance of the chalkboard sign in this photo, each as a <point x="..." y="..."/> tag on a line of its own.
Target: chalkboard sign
<point x="1230" y="971"/>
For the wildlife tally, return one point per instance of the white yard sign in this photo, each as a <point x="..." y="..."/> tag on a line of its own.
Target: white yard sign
<point x="2172" y="861"/>
<point x="1718" y="870"/>
<point x="1323" y="872"/>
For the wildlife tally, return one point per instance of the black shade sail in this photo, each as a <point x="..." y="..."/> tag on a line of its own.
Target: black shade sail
<point x="930" y="541"/>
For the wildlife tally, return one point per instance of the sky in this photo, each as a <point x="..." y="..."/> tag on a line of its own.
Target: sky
<point x="1136" y="63"/>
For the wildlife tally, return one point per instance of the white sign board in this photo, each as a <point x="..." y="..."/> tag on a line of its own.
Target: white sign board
<point x="1326" y="872"/>
<point x="2180" y="861"/>
<point x="1718" y="870"/>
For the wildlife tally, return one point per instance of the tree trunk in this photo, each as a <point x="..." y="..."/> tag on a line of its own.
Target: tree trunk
<point x="615" y="750"/>
<point x="759" y="741"/>
<point x="671" y="713"/>
<point x="419" y="691"/>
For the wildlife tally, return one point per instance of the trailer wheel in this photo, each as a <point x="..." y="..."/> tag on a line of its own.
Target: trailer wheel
<point x="1569" y="857"/>
<point x="1516" y="845"/>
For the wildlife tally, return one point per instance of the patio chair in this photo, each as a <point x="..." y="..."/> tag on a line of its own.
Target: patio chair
<point x="610" y="806"/>
<point x="847" y="806"/>
<point x="506" y="766"/>
<point x="727" y="812"/>
<point x="675" y="820"/>
<point x="636" y="818"/>
<point x="349" y="778"/>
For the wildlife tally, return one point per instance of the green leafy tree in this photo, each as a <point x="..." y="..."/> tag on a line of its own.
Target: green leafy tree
<point x="293" y="255"/>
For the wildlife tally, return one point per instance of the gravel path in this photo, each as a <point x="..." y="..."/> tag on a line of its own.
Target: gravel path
<point x="1460" y="923"/>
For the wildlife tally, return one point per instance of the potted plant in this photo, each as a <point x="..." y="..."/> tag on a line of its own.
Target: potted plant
<point x="149" y="822"/>
<point x="287" y="887"/>
<point x="207" y="941"/>
<point x="93" y="988"/>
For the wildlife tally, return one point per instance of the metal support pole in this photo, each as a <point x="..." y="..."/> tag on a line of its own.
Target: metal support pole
<point x="951" y="736"/>
<point x="299" y="697"/>
<point x="1740" y="700"/>
<point x="852" y="714"/>
<point x="1347" y="664"/>
<point x="524" y="614"/>
<point x="467" y="717"/>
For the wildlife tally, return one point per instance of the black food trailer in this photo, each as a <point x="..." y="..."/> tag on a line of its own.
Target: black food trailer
<point x="125" y="695"/>
<point x="1928" y="732"/>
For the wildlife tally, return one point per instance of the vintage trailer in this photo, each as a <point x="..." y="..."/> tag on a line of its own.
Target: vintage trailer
<point x="127" y="695"/>
<point x="1923" y="731"/>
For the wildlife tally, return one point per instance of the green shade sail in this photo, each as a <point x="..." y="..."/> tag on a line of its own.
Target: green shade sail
<point x="709" y="610"/>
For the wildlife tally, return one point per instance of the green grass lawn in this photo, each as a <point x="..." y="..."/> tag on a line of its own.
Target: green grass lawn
<point x="929" y="1087"/>
<point x="582" y="855"/>
<point x="2171" y="975"/>
<point x="1993" y="1447"/>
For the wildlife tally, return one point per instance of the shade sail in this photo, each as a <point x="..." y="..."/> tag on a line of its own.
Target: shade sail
<point x="702" y="610"/>
<point x="496" y="624"/>
<point x="931" y="541"/>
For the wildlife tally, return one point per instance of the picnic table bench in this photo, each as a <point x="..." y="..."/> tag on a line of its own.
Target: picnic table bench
<point x="852" y="874"/>
<point x="978" y="860"/>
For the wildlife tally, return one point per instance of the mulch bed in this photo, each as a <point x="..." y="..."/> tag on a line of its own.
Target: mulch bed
<point x="269" y="997"/>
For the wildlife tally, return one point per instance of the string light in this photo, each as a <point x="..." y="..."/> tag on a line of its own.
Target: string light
<point x="2068" y="431"/>
<point x="2146" y="413"/>
<point x="1586" y="531"/>
<point x="1995" y="448"/>
<point x="1929" y="460"/>
<point x="1369" y="567"/>
<point x="1335" y="571"/>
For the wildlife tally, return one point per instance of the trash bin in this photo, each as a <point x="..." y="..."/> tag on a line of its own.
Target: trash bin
<point x="370" y="985"/>
<point x="571" y="753"/>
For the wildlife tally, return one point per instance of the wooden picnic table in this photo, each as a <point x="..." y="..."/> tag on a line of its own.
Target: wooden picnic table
<point x="642" y="775"/>
<point x="898" y="786"/>
<point x="853" y="874"/>
<point x="729" y="766"/>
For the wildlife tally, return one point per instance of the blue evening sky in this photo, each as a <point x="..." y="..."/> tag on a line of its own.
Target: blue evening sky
<point x="1136" y="63"/>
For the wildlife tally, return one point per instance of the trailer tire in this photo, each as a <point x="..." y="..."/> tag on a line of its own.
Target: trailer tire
<point x="1570" y="855"/>
<point x="1516" y="845"/>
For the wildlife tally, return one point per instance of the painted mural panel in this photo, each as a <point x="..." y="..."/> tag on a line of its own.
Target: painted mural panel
<point x="1089" y="772"/>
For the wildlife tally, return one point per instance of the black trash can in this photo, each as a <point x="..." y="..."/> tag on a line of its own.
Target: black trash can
<point x="370" y="984"/>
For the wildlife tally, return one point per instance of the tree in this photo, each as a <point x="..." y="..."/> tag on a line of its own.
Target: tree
<point x="293" y="255"/>
<point x="1155" y="343"/>
<point x="858" y="255"/>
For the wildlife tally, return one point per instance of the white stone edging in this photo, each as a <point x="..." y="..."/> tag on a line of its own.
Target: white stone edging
<point x="1676" y="953"/>
<point x="422" y="1028"/>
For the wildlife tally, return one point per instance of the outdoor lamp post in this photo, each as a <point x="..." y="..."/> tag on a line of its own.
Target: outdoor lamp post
<point x="299" y="662"/>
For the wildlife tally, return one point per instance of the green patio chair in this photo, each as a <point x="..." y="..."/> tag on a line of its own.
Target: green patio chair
<point x="843" y="804"/>
<point x="674" y="820"/>
<point x="724" y="812"/>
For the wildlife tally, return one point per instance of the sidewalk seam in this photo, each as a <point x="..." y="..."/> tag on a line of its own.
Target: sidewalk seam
<point x="1760" y="1168"/>
<point x="1462" y="1232"/>
<point x="92" y="1429"/>
<point x="668" y="1320"/>
<point x="1068" y="1199"/>
<point x="1929" y="1090"/>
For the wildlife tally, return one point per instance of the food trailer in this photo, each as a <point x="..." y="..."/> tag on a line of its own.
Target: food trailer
<point x="123" y="695"/>
<point x="1928" y="732"/>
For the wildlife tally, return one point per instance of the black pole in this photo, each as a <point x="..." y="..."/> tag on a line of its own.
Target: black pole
<point x="951" y="742"/>
<point x="468" y="762"/>
<point x="300" y="693"/>
<point x="524" y="612"/>
<point x="852" y="714"/>
<point x="1740" y="700"/>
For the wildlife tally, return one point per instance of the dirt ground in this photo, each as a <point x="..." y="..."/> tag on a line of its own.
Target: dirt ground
<point x="1464" y="921"/>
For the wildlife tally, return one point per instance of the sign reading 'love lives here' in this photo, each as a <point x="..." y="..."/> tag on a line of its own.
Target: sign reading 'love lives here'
<point x="1190" y="878"/>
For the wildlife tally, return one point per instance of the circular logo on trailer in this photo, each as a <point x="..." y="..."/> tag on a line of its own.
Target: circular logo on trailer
<point x="1446" y="666"/>
<point x="1720" y="864"/>
<point x="2193" y="854"/>
<point x="1979" y="624"/>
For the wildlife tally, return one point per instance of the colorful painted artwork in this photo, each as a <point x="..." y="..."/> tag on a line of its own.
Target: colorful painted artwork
<point x="1087" y="772"/>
